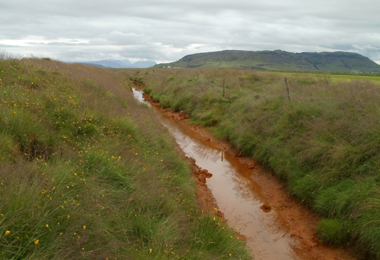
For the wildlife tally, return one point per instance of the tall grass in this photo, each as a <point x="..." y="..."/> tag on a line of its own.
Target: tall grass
<point x="88" y="173"/>
<point x="324" y="141"/>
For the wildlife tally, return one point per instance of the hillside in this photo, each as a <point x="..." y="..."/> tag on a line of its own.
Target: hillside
<point x="86" y="172"/>
<point x="279" y="60"/>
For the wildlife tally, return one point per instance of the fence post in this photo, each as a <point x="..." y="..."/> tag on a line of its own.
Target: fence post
<point x="287" y="88"/>
<point x="223" y="87"/>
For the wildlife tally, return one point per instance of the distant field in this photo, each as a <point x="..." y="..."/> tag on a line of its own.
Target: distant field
<point x="356" y="77"/>
<point x="334" y="77"/>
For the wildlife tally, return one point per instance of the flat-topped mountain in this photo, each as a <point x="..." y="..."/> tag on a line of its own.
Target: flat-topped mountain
<point x="279" y="60"/>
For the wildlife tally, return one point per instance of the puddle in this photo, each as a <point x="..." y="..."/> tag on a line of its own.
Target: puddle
<point x="239" y="197"/>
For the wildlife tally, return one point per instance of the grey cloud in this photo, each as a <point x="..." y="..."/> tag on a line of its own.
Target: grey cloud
<point x="166" y="30"/>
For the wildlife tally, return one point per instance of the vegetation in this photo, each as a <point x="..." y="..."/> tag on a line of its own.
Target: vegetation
<point x="335" y="77"/>
<point x="279" y="60"/>
<point x="88" y="173"/>
<point x="323" y="141"/>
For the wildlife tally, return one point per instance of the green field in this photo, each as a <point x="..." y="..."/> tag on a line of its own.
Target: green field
<point x="322" y="140"/>
<point x="335" y="77"/>
<point x="375" y="77"/>
<point x="86" y="172"/>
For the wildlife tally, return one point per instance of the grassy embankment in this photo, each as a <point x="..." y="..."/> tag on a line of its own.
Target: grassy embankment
<point x="324" y="142"/>
<point x="88" y="173"/>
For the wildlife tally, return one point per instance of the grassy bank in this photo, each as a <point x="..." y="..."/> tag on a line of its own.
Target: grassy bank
<point x="88" y="173"/>
<point x="323" y="141"/>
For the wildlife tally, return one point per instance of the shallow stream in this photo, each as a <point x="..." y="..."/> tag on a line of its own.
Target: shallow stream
<point x="238" y="196"/>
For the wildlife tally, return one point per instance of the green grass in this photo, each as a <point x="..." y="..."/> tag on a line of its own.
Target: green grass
<point x="336" y="77"/>
<point x="374" y="77"/>
<point x="323" y="142"/>
<point x="88" y="173"/>
<point x="334" y="231"/>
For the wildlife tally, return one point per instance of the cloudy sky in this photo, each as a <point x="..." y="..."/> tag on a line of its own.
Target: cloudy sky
<point x="167" y="30"/>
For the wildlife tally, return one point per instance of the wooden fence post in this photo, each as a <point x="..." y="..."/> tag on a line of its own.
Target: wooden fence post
<point x="287" y="88"/>
<point x="223" y="87"/>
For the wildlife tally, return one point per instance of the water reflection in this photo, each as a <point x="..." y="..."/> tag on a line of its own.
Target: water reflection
<point x="237" y="196"/>
<point x="138" y="95"/>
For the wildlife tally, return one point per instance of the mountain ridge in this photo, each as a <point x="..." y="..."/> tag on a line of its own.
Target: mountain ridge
<point x="346" y="62"/>
<point x="119" y="64"/>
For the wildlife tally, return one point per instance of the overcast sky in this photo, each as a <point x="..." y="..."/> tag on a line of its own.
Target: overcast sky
<point x="167" y="30"/>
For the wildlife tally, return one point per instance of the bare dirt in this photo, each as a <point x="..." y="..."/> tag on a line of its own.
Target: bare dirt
<point x="298" y="219"/>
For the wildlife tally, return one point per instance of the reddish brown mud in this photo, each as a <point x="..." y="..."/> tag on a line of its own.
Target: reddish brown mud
<point x="274" y="224"/>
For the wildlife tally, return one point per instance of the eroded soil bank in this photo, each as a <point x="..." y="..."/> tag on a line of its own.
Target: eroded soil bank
<point x="274" y="224"/>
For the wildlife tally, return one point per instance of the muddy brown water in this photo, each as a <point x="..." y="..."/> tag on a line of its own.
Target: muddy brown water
<point x="269" y="235"/>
